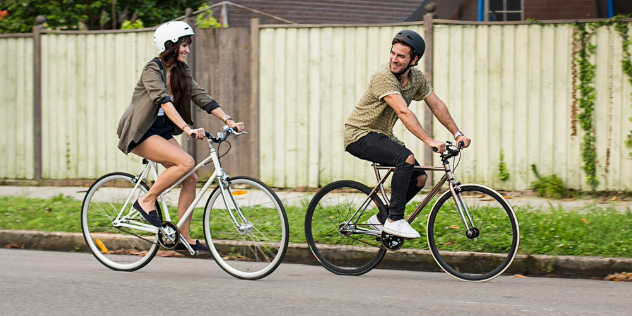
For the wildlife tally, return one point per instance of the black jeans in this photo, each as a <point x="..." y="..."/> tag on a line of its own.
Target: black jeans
<point x="380" y="149"/>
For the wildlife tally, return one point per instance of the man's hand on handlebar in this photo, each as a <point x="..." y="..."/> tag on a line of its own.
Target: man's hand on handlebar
<point x="466" y="141"/>
<point x="437" y="146"/>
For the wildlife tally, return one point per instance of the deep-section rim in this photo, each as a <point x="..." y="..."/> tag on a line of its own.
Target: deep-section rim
<point x="310" y="238"/>
<point x="515" y="242"/>
<point x="85" y="230"/>
<point x="285" y="232"/>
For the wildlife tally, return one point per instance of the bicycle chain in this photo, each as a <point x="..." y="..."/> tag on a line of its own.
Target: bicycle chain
<point x="151" y="242"/>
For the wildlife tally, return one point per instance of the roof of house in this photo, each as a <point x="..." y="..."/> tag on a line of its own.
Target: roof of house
<point x="318" y="12"/>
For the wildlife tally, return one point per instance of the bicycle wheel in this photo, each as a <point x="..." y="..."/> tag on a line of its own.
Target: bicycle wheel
<point x="492" y="244"/>
<point x="119" y="248"/>
<point x="249" y="247"/>
<point x="338" y="251"/>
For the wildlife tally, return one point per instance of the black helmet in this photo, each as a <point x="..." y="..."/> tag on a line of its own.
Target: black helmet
<point x="412" y="39"/>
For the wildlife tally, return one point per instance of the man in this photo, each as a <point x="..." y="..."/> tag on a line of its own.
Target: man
<point x="369" y="128"/>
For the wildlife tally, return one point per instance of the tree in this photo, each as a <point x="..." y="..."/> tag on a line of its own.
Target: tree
<point x="89" y="14"/>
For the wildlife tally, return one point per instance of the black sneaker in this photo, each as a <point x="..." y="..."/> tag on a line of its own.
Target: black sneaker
<point x="199" y="247"/>
<point x="152" y="217"/>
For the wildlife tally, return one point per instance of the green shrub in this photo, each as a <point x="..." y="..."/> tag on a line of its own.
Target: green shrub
<point x="549" y="186"/>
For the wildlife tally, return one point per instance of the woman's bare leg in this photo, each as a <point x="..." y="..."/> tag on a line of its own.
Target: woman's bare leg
<point x="187" y="195"/>
<point x="158" y="149"/>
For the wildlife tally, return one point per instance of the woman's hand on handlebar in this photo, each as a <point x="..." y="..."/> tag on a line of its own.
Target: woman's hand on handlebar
<point x="437" y="146"/>
<point x="239" y="125"/>
<point x="197" y="133"/>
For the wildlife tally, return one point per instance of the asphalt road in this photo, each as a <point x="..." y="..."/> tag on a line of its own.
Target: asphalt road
<point x="59" y="283"/>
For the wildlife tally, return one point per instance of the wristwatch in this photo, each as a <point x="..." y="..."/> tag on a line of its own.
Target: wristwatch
<point x="458" y="134"/>
<point x="226" y="118"/>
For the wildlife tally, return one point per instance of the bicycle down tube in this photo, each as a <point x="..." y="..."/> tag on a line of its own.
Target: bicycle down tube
<point x="151" y="167"/>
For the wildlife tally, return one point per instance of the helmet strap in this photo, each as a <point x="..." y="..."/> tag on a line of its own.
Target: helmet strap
<point x="399" y="74"/>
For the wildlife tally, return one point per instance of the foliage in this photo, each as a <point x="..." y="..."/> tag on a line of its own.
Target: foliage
<point x="128" y="25"/>
<point x="205" y="19"/>
<point x="534" y="21"/>
<point x="626" y="62"/>
<point x="587" y="100"/>
<point x="90" y="14"/>
<point x="550" y="186"/>
<point x="503" y="172"/>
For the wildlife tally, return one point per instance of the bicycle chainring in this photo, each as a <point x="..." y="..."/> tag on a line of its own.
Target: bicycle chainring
<point x="392" y="242"/>
<point x="172" y="232"/>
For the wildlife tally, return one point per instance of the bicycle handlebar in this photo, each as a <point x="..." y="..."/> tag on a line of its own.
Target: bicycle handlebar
<point x="220" y="137"/>
<point x="451" y="150"/>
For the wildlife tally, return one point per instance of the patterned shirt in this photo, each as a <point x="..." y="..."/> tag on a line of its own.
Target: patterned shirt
<point x="373" y="114"/>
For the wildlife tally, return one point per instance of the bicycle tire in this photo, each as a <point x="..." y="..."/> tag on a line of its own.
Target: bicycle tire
<point x="123" y="248"/>
<point x="475" y="258"/>
<point x="332" y="205"/>
<point x="252" y="251"/>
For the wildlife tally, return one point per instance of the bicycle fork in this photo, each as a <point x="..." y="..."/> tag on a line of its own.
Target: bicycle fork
<point x="244" y="226"/>
<point x="470" y="231"/>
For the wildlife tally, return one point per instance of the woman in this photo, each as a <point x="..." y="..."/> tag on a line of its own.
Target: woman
<point x="159" y="109"/>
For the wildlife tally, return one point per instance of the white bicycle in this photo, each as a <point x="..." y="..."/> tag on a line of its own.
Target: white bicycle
<point x="244" y="222"/>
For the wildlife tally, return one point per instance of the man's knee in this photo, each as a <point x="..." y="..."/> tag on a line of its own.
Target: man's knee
<point x="421" y="180"/>
<point x="411" y="160"/>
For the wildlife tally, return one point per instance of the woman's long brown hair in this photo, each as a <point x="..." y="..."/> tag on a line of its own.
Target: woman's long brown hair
<point x="179" y="78"/>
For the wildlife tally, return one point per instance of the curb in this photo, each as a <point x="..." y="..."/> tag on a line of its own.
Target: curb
<point x="405" y="259"/>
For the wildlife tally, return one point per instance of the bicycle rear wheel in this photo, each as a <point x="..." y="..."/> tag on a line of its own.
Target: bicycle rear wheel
<point x="492" y="243"/>
<point x="249" y="247"/>
<point x="118" y="248"/>
<point x="332" y="208"/>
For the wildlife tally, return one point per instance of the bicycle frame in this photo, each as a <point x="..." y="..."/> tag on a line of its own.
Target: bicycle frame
<point x="219" y="175"/>
<point x="447" y="177"/>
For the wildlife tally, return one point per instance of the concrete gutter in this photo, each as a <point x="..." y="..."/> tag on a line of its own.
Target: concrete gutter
<point x="405" y="259"/>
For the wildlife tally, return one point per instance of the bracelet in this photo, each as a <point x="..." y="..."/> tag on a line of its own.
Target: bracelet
<point x="183" y="126"/>
<point x="226" y="118"/>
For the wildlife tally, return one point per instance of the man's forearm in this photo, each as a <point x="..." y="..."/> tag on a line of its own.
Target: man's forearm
<point x="412" y="124"/>
<point x="440" y="110"/>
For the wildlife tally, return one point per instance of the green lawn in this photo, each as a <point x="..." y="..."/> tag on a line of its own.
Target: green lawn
<point x="592" y="232"/>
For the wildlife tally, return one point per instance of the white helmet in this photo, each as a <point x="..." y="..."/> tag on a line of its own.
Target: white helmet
<point x="171" y="31"/>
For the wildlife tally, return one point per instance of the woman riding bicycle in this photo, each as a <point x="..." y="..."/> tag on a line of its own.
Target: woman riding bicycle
<point x="159" y="109"/>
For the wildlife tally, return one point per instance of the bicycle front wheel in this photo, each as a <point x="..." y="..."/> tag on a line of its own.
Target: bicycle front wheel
<point x="126" y="246"/>
<point x="246" y="228"/>
<point x="333" y="233"/>
<point x="488" y="248"/>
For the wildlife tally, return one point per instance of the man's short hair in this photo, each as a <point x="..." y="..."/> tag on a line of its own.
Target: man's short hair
<point x="400" y="41"/>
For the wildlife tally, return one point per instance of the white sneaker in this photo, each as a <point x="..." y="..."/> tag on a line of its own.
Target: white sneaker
<point x="374" y="223"/>
<point x="400" y="228"/>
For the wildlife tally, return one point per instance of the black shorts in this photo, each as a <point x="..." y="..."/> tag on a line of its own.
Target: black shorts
<point x="160" y="128"/>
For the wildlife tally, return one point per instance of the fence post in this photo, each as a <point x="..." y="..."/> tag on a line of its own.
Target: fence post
<point x="37" y="96"/>
<point x="428" y="30"/>
<point x="254" y="94"/>
<point x="189" y="146"/>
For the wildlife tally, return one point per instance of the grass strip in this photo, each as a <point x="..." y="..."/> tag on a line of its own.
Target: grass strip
<point x="594" y="231"/>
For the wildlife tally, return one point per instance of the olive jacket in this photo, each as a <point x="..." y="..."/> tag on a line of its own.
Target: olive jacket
<point x="150" y="93"/>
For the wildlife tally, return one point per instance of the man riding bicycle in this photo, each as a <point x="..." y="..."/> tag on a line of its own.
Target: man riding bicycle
<point x="369" y="128"/>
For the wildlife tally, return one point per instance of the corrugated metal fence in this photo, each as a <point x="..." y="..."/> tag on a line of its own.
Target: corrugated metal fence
<point x="16" y="108"/>
<point x="87" y="83"/>
<point x="508" y="87"/>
